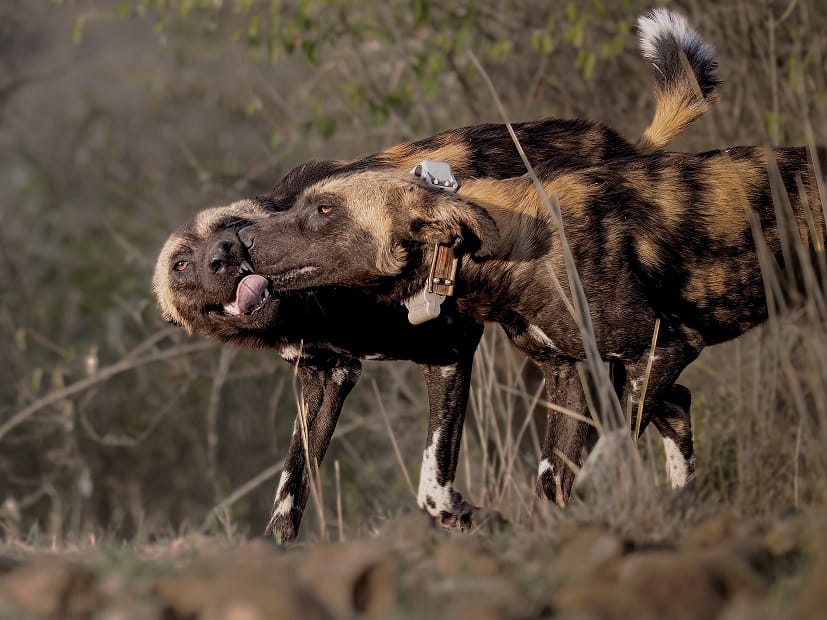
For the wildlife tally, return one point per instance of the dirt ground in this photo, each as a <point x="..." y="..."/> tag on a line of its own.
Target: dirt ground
<point x="721" y="567"/>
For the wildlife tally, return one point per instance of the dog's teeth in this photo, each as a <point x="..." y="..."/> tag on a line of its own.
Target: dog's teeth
<point x="246" y="267"/>
<point x="232" y="309"/>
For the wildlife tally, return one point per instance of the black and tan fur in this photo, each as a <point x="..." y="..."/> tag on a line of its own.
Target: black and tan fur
<point x="326" y="332"/>
<point x="665" y="236"/>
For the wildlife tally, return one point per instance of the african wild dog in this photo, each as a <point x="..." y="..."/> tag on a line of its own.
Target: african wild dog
<point x="210" y="276"/>
<point x="665" y="236"/>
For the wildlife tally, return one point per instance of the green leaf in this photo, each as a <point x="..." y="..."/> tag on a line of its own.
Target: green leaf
<point x="20" y="339"/>
<point x="253" y="106"/>
<point x="77" y="32"/>
<point x="589" y="64"/>
<point x="794" y="73"/>
<point x="326" y="126"/>
<point x="37" y="379"/>
<point x="253" y="27"/>
<point x="775" y="123"/>
<point x="310" y="51"/>
<point x="499" y="50"/>
<point x="420" y="9"/>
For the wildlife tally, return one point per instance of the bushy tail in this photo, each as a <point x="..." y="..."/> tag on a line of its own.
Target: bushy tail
<point x="685" y="68"/>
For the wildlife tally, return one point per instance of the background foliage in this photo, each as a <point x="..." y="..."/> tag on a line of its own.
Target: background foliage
<point x="120" y="120"/>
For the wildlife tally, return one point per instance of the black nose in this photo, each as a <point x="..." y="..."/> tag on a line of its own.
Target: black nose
<point x="220" y="256"/>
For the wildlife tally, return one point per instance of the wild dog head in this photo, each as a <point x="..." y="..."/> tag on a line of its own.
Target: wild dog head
<point x="204" y="280"/>
<point x="357" y="227"/>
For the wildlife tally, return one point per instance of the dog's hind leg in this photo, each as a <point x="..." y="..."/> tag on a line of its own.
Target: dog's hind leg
<point x="325" y="383"/>
<point x="671" y="417"/>
<point x="448" y="387"/>
<point x="562" y="450"/>
<point x="672" y="420"/>
<point x="666" y="404"/>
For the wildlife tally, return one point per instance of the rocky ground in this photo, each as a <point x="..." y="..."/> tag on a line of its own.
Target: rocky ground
<point x="722" y="567"/>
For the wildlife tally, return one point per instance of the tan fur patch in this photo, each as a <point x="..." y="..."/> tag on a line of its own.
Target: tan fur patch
<point x="518" y="210"/>
<point x="574" y="194"/>
<point x="206" y="221"/>
<point x="676" y="108"/>
<point x="454" y="153"/>
<point x="161" y="279"/>
<point x="665" y="194"/>
<point x="709" y="281"/>
<point x="730" y="184"/>
<point x="648" y="251"/>
<point x="366" y="195"/>
<point x="519" y="196"/>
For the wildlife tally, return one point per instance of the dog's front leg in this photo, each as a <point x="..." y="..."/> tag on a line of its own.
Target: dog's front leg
<point x="562" y="450"/>
<point x="448" y="388"/>
<point x="324" y="387"/>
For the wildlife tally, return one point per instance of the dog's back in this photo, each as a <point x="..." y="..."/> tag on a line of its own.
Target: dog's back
<point x="702" y="231"/>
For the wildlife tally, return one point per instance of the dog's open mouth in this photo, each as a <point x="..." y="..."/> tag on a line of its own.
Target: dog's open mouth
<point x="250" y="294"/>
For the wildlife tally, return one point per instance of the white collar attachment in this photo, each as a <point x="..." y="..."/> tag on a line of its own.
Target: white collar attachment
<point x="426" y="304"/>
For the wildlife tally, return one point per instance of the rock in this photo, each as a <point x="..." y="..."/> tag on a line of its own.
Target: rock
<point x="6" y="564"/>
<point x="417" y="527"/>
<point x="253" y="582"/>
<point x="351" y="579"/>
<point x="811" y="601"/>
<point x="587" y="552"/>
<point x="787" y="537"/>
<point x="460" y="557"/>
<point x="686" y="580"/>
<point x="51" y="587"/>
<point x="688" y="585"/>
<point x="473" y="610"/>
<point x="722" y="528"/>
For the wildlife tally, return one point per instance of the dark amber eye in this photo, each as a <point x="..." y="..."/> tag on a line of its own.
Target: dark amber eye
<point x="325" y="209"/>
<point x="180" y="265"/>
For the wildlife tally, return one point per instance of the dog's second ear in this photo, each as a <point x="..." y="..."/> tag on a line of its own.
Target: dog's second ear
<point x="430" y="216"/>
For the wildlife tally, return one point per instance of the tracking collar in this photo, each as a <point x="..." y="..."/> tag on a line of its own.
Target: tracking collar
<point x="425" y="305"/>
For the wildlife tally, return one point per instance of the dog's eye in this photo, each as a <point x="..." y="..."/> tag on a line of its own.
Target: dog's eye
<point x="325" y="209"/>
<point x="181" y="265"/>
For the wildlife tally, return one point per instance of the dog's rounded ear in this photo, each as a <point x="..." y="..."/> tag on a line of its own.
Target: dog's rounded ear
<point x="431" y="216"/>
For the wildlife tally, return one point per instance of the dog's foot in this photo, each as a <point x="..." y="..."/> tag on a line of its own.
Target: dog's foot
<point x="453" y="513"/>
<point x="282" y="528"/>
<point x="459" y="517"/>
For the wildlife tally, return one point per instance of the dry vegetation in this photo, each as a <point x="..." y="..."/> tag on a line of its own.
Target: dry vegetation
<point x="135" y="462"/>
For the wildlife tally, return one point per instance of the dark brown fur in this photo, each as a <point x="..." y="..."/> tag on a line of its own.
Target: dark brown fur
<point x="668" y="237"/>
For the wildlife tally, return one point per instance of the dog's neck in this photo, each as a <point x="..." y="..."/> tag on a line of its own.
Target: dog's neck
<point x="478" y="287"/>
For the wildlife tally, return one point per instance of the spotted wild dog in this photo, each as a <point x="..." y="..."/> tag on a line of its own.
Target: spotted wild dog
<point x="664" y="236"/>
<point x="212" y="279"/>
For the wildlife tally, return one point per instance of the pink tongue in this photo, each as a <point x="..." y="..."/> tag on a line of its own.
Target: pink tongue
<point x="250" y="292"/>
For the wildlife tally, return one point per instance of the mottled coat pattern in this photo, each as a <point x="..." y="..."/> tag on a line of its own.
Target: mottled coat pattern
<point x="670" y="237"/>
